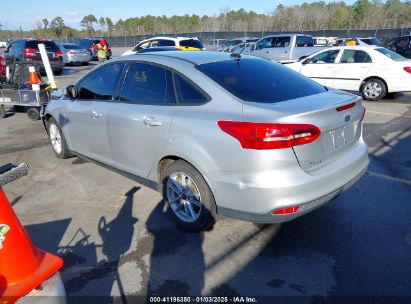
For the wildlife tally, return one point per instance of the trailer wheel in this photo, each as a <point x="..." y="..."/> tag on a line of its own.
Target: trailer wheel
<point x="33" y="114"/>
<point x="2" y="112"/>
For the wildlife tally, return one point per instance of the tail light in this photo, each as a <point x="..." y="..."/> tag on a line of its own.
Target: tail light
<point x="288" y="210"/>
<point x="29" y="52"/>
<point x="346" y="107"/>
<point x="58" y="53"/>
<point x="265" y="136"/>
<point x="407" y="69"/>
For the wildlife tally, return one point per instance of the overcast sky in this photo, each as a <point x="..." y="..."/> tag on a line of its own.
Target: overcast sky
<point x="16" y="13"/>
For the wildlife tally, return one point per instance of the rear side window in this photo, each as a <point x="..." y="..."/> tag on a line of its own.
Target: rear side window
<point x="164" y="42"/>
<point x="34" y="44"/>
<point x="100" y="84"/>
<point x="147" y="84"/>
<point x="302" y="41"/>
<point x="282" y="41"/>
<point x="187" y="93"/>
<point x="191" y="43"/>
<point x="259" y="80"/>
<point x="355" y="56"/>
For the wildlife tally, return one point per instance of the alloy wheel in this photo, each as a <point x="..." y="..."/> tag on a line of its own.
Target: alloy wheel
<point x="183" y="197"/>
<point x="55" y="138"/>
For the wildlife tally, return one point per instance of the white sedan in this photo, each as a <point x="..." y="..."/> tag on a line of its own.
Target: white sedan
<point x="373" y="71"/>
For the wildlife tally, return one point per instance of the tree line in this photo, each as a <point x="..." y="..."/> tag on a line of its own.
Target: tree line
<point x="319" y="15"/>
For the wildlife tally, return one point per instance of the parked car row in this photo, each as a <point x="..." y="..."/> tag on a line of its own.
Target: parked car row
<point x="372" y="70"/>
<point x="59" y="55"/>
<point x="187" y="43"/>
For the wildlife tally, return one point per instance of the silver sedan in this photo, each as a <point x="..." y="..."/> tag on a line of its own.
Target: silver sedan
<point x="215" y="133"/>
<point x="74" y="53"/>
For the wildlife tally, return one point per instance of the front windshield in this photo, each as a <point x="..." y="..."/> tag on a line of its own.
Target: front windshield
<point x="390" y="54"/>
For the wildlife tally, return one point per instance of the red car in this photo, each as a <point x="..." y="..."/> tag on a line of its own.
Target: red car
<point x="2" y="68"/>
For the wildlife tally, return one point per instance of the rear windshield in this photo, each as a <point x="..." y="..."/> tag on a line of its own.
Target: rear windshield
<point x="390" y="54"/>
<point x="72" y="46"/>
<point x="192" y="43"/>
<point x="86" y="43"/>
<point x="260" y="80"/>
<point x="371" y="41"/>
<point x="34" y="44"/>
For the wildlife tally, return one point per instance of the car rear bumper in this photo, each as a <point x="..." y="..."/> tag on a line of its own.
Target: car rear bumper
<point x="74" y="59"/>
<point x="268" y="191"/>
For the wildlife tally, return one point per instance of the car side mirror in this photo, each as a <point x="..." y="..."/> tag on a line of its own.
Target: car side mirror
<point x="71" y="91"/>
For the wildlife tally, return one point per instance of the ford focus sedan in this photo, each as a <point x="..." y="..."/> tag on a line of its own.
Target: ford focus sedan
<point x="215" y="133"/>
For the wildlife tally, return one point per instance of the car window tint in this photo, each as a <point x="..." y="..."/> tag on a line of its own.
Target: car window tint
<point x="100" y="84"/>
<point x="390" y="54"/>
<point x="260" y="80"/>
<point x="49" y="45"/>
<point x="265" y="43"/>
<point x="402" y="43"/>
<point x="355" y="56"/>
<point x="188" y="93"/>
<point x="282" y="42"/>
<point x="142" y="45"/>
<point x="324" y="57"/>
<point x="164" y="42"/>
<point x="147" y="84"/>
<point x="304" y="41"/>
<point x="192" y="43"/>
<point x="72" y="46"/>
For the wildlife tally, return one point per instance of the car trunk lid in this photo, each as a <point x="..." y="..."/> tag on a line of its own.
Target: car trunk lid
<point x="337" y="114"/>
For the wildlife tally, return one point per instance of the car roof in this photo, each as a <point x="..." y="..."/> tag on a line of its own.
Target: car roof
<point x="170" y="38"/>
<point x="353" y="47"/>
<point x="194" y="57"/>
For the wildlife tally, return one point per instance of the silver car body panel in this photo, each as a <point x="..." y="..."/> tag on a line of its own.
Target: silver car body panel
<point x="248" y="184"/>
<point x="74" y="55"/>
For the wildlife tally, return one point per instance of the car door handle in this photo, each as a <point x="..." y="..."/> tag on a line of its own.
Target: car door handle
<point x="285" y="51"/>
<point x="96" y="115"/>
<point x="152" y="122"/>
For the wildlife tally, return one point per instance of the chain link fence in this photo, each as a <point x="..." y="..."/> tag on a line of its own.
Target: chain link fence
<point x="130" y="41"/>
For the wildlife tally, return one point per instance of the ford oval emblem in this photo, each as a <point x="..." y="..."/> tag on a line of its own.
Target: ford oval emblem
<point x="347" y="117"/>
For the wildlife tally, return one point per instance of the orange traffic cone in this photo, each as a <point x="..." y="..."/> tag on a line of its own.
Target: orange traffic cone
<point x="34" y="78"/>
<point x="23" y="267"/>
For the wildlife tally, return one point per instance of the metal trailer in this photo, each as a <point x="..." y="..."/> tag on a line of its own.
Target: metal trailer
<point x="17" y="95"/>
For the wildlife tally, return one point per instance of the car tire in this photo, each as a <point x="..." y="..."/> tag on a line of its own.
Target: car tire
<point x="84" y="63"/>
<point x="58" y="72"/>
<point x="2" y="112"/>
<point x="33" y="114"/>
<point x="188" y="196"/>
<point x="57" y="140"/>
<point x="373" y="89"/>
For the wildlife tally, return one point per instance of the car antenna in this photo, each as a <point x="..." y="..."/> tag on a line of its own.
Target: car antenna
<point x="237" y="56"/>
